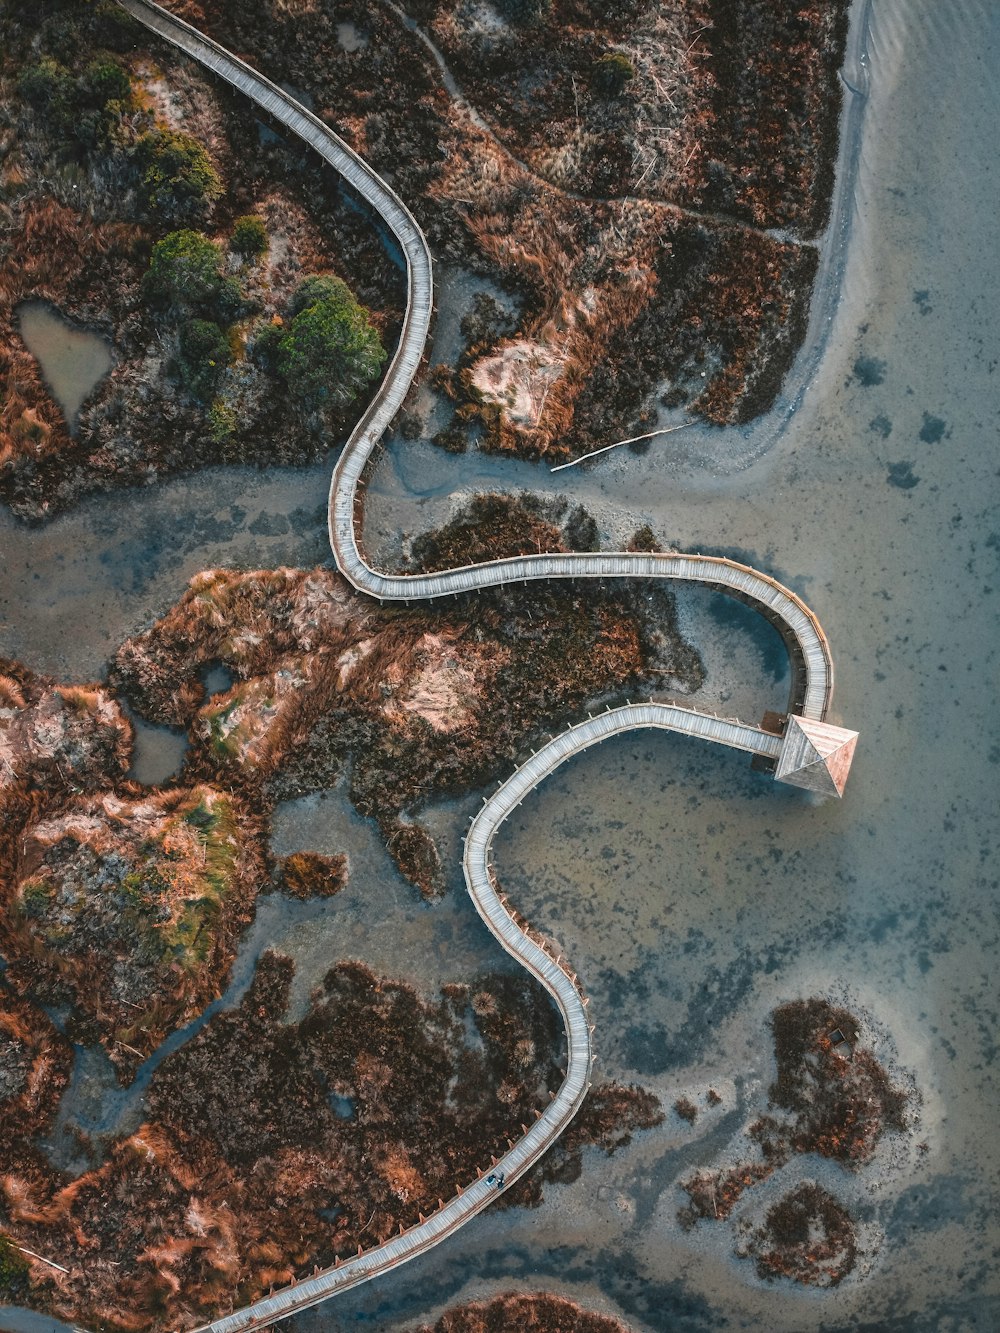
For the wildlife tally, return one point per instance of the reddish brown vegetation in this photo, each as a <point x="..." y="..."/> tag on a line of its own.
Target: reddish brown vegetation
<point x="53" y="740"/>
<point x="772" y="97"/>
<point x="415" y="853"/>
<point x="609" y="1117"/>
<point x="322" y="674"/>
<point x="274" y="1145"/>
<point x="90" y="271"/>
<point x="310" y="875"/>
<point x="124" y="903"/>
<point x="840" y="1096"/>
<point x="517" y="1312"/>
<point x="731" y="107"/>
<point x="807" y="1236"/>
<point x="742" y="123"/>
<point x="35" y="1064"/>
<point x="490" y="527"/>
<point x="715" y="1194"/>
<point x="838" y="1100"/>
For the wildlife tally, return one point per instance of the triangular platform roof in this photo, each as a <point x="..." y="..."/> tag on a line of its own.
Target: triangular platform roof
<point x="816" y="755"/>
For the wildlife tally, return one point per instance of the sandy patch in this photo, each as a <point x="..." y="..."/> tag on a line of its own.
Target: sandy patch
<point x="442" y="690"/>
<point x="519" y="378"/>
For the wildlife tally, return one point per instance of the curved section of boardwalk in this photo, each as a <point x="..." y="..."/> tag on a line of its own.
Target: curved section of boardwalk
<point x="811" y="691"/>
<point x="798" y="624"/>
<point x="553" y="974"/>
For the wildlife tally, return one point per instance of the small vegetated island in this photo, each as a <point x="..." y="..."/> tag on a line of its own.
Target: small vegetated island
<point x="832" y="1099"/>
<point x="646" y="184"/>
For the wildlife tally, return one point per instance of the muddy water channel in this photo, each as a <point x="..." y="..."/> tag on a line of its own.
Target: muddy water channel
<point x="691" y="894"/>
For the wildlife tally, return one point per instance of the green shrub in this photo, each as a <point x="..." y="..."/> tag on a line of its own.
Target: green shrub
<point x="185" y="271"/>
<point x="249" y="236"/>
<point x="221" y="422"/>
<point x="13" y="1269"/>
<point x="47" y="86"/>
<point x="185" y="278"/>
<point x="265" y="347"/>
<point x="102" y="82"/>
<point x="330" y="351"/>
<point x="178" y="178"/>
<point x="81" y="109"/>
<point x="611" y="74"/>
<point x="319" y="287"/>
<point x="203" y="354"/>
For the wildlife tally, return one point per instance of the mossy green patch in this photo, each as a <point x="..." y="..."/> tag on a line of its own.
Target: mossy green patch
<point x="13" y="1268"/>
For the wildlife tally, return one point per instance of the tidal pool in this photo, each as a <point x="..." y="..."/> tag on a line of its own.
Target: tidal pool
<point x="73" y="361"/>
<point x="350" y="37"/>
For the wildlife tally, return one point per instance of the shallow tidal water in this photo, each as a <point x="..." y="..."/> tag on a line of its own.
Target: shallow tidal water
<point x="691" y="894"/>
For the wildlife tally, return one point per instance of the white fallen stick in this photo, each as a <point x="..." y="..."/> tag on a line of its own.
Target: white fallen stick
<point x="668" y="430"/>
<point x="42" y="1259"/>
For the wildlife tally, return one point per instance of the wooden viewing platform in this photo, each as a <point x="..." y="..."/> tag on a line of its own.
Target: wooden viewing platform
<point x="810" y="752"/>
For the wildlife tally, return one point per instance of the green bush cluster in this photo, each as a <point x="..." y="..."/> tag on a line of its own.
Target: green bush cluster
<point x="186" y="283"/>
<point x="80" y="108"/>
<point x="179" y="180"/>
<point x="327" y="352"/>
<point x="249" y="236"/>
<point x="330" y="351"/>
<point x="611" y="74"/>
<point x="204" y="354"/>
<point x="185" y="277"/>
<point x="222" y="422"/>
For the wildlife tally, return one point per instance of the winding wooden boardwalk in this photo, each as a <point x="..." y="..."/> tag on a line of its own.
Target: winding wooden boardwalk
<point x="811" y="690"/>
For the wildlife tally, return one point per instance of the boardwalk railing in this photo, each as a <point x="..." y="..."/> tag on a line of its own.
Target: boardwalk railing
<point x="808" y="646"/>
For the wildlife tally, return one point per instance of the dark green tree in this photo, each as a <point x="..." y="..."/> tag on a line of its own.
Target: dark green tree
<point x="179" y="180"/>
<point x="185" y="277"/>
<point x="184" y="270"/>
<point x="318" y="287"/>
<point x="611" y="74"/>
<point x="104" y="81"/>
<point x="249" y="236"/>
<point x="204" y="353"/>
<point x="330" y="351"/>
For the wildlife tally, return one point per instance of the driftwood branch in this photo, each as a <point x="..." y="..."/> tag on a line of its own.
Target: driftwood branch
<point x="667" y="430"/>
